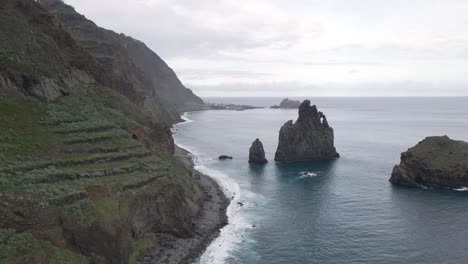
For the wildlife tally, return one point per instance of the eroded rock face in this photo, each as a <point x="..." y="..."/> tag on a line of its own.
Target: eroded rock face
<point x="433" y="162"/>
<point x="287" y="104"/>
<point x="257" y="153"/>
<point x="310" y="138"/>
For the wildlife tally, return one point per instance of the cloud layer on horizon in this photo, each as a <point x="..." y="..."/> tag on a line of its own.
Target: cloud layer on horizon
<point x="304" y="43"/>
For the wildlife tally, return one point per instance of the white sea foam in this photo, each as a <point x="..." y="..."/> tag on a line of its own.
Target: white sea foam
<point x="186" y="118"/>
<point x="306" y="174"/>
<point x="229" y="239"/>
<point x="462" y="189"/>
<point x="235" y="233"/>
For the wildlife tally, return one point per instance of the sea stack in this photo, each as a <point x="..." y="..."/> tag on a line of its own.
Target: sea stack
<point x="257" y="153"/>
<point x="310" y="138"/>
<point x="433" y="162"/>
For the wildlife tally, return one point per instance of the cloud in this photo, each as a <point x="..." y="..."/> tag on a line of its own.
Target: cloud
<point x="178" y="28"/>
<point x="297" y="89"/>
<point x="228" y="44"/>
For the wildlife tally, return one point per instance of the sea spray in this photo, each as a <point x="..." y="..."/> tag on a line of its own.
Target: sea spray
<point x="233" y="234"/>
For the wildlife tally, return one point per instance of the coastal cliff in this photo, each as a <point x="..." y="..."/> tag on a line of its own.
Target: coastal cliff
<point x="132" y="68"/>
<point x="433" y="162"/>
<point x="87" y="171"/>
<point x="310" y="138"/>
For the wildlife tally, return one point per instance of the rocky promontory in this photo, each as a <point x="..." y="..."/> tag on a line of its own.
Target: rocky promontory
<point x="287" y="104"/>
<point x="433" y="162"/>
<point x="310" y="138"/>
<point x="257" y="153"/>
<point x="234" y="107"/>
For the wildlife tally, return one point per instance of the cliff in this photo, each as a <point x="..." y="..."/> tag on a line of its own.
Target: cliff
<point x="433" y="162"/>
<point x="87" y="172"/>
<point x="310" y="138"/>
<point x="38" y="58"/>
<point x="134" y="69"/>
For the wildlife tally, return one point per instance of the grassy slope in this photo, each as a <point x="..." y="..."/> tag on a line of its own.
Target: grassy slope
<point x="51" y="154"/>
<point x="75" y="186"/>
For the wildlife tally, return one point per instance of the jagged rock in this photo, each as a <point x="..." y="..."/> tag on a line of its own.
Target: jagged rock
<point x="257" y="153"/>
<point x="287" y="104"/>
<point x="433" y="162"/>
<point x="310" y="138"/>
<point x="224" y="157"/>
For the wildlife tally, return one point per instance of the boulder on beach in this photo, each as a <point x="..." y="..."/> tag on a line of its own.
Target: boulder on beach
<point x="433" y="162"/>
<point x="310" y="138"/>
<point x="257" y="153"/>
<point x="224" y="157"/>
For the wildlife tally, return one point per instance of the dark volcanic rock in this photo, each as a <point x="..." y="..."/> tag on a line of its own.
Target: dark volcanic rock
<point x="310" y="138"/>
<point x="434" y="162"/>
<point x="224" y="157"/>
<point x="287" y="104"/>
<point x="257" y="153"/>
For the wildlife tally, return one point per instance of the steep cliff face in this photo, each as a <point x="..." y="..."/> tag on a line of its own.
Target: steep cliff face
<point x="165" y="81"/>
<point x="87" y="173"/>
<point x="433" y="162"/>
<point x="37" y="57"/>
<point x="310" y="138"/>
<point x="136" y="71"/>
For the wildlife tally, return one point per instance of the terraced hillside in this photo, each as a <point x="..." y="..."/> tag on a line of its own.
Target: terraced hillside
<point x="87" y="172"/>
<point x="78" y="175"/>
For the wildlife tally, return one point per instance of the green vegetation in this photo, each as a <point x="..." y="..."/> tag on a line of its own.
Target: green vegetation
<point x="53" y="152"/>
<point x="25" y="47"/>
<point x="139" y="247"/>
<point x="80" y="174"/>
<point x="23" y="247"/>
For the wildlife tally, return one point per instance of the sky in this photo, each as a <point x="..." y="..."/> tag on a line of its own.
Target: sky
<point x="301" y="47"/>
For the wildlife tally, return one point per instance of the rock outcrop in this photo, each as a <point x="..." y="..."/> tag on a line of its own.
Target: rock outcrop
<point x="224" y="157"/>
<point x="87" y="172"/>
<point x="310" y="138"/>
<point x="257" y="153"/>
<point x="37" y="57"/>
<point x="134" y="70"/>
<point x="287" y="104"/>
<point x="433" y="162"/>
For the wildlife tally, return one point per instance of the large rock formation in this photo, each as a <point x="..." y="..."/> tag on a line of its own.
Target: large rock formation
<point x="132" y="68"/>
<point x="288" y="104"/>
<point x="257" y="153"/>
<point x="87" y="172"/>
<point x="37" y="57"/>
<point x="433" y="162"/>
<point x="310" y="138"/>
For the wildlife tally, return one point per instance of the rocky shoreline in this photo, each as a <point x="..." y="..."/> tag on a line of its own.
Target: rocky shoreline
<point x="207" y="225"/>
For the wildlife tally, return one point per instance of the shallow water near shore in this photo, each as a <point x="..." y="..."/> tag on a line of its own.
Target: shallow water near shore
<point x="342" y="211"/>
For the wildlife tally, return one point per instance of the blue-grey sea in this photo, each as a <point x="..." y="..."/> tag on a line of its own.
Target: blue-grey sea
<point x="342" y="211"/>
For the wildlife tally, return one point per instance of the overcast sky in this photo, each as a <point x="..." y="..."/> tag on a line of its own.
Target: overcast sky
<point x="300" y="47"/>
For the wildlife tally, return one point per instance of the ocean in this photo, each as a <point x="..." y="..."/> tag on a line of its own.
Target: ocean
<point x="342" y="211"/>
